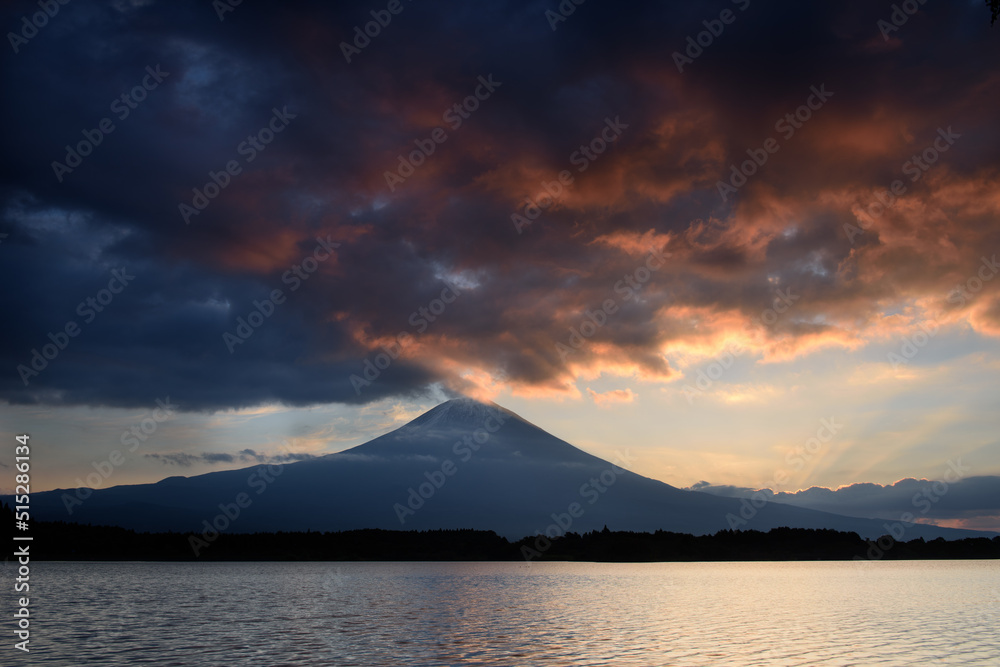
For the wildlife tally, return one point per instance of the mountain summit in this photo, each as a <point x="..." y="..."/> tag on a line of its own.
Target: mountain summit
<point x="462" y="464"/>
<point x="462" y="428"/>
<point x="461" y="412"/>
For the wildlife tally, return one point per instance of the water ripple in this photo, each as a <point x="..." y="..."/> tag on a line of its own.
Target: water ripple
<point x="361" y="614"/>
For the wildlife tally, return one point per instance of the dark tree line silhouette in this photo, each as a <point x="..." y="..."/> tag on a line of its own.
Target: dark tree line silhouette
<point x="71" y="541"/>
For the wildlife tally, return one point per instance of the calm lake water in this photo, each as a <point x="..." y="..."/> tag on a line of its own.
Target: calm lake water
<point x="233" y="614"/>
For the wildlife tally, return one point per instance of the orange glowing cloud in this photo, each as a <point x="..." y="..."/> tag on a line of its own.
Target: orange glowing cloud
<point x="611" y="397"/>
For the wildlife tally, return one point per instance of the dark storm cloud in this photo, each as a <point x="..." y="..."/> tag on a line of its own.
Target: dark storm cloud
<point x="251" y="455"/>
<point x="186" y="460"/>
<point x="323" y="176"/>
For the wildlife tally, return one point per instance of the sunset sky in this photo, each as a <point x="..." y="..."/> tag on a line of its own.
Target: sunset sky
<point x="693" y="252"/>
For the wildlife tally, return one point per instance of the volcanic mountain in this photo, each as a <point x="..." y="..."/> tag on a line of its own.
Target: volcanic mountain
<point x="463" y="464"/>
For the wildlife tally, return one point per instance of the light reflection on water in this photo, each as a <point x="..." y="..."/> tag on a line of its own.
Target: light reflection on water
<point x="817" y="613"/>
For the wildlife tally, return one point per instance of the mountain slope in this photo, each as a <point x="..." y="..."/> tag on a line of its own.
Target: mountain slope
<point x="463" y="464"/>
